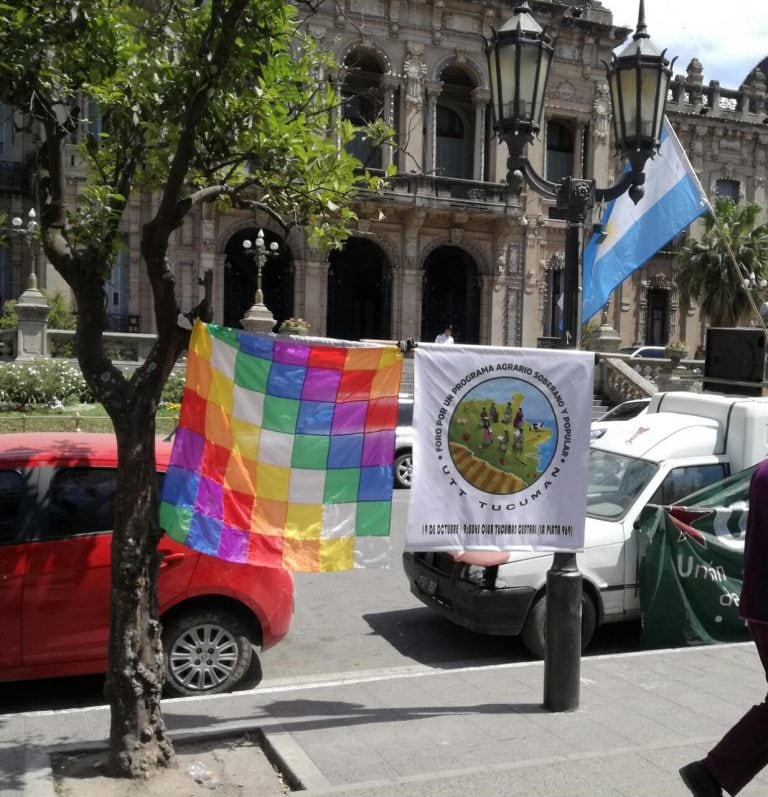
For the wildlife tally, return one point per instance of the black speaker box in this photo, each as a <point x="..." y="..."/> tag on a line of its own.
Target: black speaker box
<point x="735" y="353"/>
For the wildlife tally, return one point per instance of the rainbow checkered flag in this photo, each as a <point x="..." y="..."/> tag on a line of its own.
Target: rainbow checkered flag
<point x="284" y="452"/>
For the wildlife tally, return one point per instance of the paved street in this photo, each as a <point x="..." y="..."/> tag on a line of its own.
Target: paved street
<point x="347" y="622"/>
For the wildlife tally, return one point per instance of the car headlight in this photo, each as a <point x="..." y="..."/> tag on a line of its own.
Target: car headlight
<point x="596" y="434"/>
<point x="480" y="576"/>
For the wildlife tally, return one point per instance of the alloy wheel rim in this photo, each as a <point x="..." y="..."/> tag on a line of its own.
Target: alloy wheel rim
<point x="203" y="657"/>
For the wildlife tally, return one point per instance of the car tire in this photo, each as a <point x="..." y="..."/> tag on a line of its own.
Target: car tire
<point x="534" y="634"/>
<point x="403" y="470"/>
<point x="205" y="653"/>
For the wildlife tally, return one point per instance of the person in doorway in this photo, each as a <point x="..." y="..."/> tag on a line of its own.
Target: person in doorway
<point x="743" y="751"/>
<point x="446" y="336"/>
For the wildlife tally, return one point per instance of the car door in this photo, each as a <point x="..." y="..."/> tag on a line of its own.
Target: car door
<point x="67" y="583"/>
<point x="13" y="563"/>
<point x="676" y="480"/>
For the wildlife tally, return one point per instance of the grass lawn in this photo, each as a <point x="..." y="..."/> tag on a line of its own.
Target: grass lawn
<point x="78" y="417"/>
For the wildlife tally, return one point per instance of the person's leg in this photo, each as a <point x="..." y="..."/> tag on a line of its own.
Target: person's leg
<point x="743" y="751"/>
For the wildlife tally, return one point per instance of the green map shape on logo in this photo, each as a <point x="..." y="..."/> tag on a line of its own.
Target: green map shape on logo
<point x="502" y="435"/>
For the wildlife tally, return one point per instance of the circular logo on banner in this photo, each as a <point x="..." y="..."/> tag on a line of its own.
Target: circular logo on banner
<point x="503" y="435"/>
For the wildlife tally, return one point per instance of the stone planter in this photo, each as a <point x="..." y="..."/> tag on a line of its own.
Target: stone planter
<point x="675" y="355"/>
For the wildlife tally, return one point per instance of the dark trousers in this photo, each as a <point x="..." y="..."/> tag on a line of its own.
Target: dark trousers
<point x="743" y="751"/>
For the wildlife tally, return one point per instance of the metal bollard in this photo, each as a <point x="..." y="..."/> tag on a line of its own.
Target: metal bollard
<point x="562" y="660"/>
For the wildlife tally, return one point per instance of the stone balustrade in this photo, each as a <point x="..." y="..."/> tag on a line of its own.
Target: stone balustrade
<point x="622" y="378"/>
<point x="123" y="347"/>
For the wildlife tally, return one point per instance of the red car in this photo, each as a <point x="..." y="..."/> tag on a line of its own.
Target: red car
<point x="56" y="507"/>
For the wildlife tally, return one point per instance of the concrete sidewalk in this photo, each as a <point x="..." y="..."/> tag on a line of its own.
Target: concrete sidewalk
<point x="465" y="731"/>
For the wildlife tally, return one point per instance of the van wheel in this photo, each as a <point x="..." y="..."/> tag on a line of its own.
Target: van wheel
<point x="534" y="634"/>
<point x="205" y="653"/>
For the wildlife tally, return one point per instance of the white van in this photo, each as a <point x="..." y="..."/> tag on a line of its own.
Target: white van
<point x="684" y="442"/>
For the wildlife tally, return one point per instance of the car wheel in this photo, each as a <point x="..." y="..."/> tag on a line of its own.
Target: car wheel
<point x="205" y="653"/>
<point x="404" y="469"/>
<point x="534" y="634"/>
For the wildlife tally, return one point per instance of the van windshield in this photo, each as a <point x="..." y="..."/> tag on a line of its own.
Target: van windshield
<point x="614" y="483"/>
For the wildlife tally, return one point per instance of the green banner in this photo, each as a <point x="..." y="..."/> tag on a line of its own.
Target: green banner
<point x="691" y="567"/>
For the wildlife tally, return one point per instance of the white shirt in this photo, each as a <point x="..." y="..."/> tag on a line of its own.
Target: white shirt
<point x="443" y="338"/>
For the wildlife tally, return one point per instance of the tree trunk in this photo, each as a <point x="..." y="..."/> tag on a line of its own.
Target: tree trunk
<point x="139" y="742"/>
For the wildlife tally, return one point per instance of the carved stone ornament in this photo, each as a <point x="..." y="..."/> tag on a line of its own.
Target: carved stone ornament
<point x="601" y="113"/>
<point x="556" y="262"/>
<point x="415" y="71"/>
<point x="566" y="91"/>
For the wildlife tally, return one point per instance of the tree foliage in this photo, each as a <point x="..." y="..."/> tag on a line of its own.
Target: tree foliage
<point x="191" y="101"/>
<point x="705" y="269"/>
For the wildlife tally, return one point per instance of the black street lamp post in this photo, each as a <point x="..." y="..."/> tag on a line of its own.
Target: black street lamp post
<point x="519" y="57"/>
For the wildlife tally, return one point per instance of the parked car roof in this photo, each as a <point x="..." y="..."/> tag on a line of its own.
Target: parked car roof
<point x="625" y="410"/>
<point x="647" y="351"/>
<point x="47" y="447"/>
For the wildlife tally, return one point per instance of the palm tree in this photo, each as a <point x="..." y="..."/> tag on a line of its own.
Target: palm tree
<point x="705" y="271"/>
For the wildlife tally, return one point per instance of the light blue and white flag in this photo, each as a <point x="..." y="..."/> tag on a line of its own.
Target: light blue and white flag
<point x="632" y="234"/>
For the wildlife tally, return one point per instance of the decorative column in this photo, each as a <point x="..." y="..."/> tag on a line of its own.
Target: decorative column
<point x="579" y="153"/>
<point x="480" y="99"/>
<point x="414" y="70"/>
<point x="338" y="77"/>
<point x="388" y="85"/>
<point x="408" y="287"/>
<point x="310" y="291"/>
<point x="434" y="89"/>
<point x="601" y="118"/>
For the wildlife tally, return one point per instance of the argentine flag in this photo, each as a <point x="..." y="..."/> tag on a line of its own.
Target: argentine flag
<point x="634" y="233"/>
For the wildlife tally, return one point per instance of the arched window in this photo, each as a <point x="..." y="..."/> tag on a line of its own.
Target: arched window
<point x="360" y="111"/>
<point x="559" y="152"/>
<point x="454" y="125"/>
<point x="729" y="188"/>
<point x="451" y="144"/>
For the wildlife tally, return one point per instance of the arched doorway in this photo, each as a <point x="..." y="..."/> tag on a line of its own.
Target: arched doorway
<point x="451" y="295"/>
<point x="240" y="278"/>
<point x="359" y="292"/>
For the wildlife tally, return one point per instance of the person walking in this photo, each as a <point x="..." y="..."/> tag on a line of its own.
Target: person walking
<point x="446" y="336"/>
<point x="743" y="751"/>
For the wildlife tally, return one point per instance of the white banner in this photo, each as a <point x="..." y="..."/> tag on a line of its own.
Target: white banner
<point x="501" y="447"/>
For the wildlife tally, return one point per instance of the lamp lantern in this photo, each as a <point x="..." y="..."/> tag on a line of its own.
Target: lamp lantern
<point x="519" y="56"/>
<point x="638" y="79"/>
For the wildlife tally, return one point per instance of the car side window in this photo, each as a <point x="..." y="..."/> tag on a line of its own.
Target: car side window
<point x="82" y="501"/>
<point x="11" y="489"/>
<point x="683" y="481"/>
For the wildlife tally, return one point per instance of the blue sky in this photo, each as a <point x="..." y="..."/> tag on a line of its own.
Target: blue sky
<point x="728" y="38"/>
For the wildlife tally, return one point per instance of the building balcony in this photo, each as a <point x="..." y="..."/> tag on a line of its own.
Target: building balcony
<point x="431" y="191"/>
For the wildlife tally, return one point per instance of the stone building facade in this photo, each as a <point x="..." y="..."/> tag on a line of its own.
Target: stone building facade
<point x="446" y="242"/>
